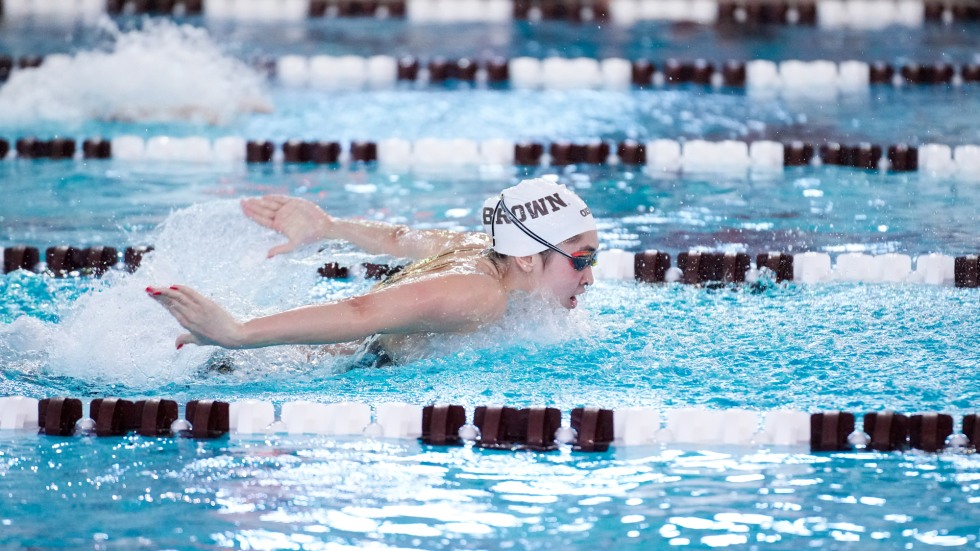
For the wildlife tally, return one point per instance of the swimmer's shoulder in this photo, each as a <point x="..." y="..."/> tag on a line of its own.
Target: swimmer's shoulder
<point x="481" y="293"/>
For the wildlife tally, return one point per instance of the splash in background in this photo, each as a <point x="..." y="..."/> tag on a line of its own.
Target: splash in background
<point x="162" y="72"/>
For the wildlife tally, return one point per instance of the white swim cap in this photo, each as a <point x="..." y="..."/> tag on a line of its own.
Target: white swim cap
<point x="551" y="211"/>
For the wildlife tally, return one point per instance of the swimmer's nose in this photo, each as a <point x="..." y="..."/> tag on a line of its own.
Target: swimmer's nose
<point x="587" y="278"/>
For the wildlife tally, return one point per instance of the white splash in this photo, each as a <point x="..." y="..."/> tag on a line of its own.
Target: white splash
<point x="164" y="72"/>
<point x="116" y="333"/>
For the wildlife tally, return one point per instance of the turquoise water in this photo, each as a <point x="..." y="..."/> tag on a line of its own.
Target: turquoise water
<point x="830" y="209"/>
<point x="856" y="347"/>
<point x="335" y="494"/>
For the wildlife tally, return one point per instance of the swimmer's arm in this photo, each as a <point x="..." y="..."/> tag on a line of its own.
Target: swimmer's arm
<point x="439" y="305"/>
<point x="303" y="222"/>
<point x="403" y="241"/>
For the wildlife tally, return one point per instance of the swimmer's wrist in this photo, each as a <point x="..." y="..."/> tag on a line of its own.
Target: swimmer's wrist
<point x="325" y="227"/>
<point x="243" y="336"/>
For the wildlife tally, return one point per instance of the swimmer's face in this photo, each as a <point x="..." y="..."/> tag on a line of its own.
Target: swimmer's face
<point x="560" y="278"/>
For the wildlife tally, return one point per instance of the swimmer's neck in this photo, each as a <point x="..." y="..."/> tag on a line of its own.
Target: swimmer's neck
<point x="518" y="274"/>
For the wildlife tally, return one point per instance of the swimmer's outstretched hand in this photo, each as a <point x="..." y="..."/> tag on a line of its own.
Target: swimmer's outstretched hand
<point x="299" y="220"/>
<point x="208" y="323"/>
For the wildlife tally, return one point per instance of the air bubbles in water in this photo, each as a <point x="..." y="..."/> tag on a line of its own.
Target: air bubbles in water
<point x="85" y="427"/>
<point x="565" y="435"/>
<point x="469" y="433"/>
<point x="859" y="439"/>
<point x="957" y="442"/>
<point x="181" y="427"/>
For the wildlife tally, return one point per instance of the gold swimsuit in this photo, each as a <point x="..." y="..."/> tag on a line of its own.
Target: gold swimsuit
<point x="372" y="353"/>
<point x="426" y="265"/>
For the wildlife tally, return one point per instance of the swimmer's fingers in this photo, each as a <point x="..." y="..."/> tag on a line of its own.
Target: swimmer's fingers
<point x="190" y="307"/>
<point x="289" y="216"/>
<point x="186" y="338"/>
<point x="207" y="321"/>
<point x="178" y="306"/>
<point x="282" y="249"/>
<point x="264" y="209"/>
<point x="259" y="210"/>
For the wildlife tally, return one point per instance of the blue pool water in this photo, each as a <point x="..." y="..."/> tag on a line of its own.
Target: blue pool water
<point x="854" y="347"/>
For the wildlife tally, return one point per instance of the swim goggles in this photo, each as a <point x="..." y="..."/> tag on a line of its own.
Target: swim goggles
<point x="580" y="259"/>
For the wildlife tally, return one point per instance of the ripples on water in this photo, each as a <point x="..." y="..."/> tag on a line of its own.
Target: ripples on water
<point x="312" y="493"/>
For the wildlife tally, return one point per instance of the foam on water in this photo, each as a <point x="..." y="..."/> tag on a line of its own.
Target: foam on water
<point x="115" y="334"/>
<point x="163" y="72"/>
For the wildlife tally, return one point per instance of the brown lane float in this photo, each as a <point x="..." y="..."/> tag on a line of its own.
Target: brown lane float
<point x="20" y="258"/>
<point x="63" y="260"/>
<point x="651" y="266"/>
<point x="642" y="73"/>
<point x="61" y="148"/>
<point x="439" y="69"/>
<point x="966" y="271"/>
<point x="441" y="424"/>
<point x="887" y="430"/>
<point x="497" y="425"/>
<point x="333" y="270"/>
<point x="57" y="416"/>
<point x="498" y="70"/>
<point x="829" y="431"/>
<point x="318" y="152"/>
<point x="678" y="72"/>
<point x="133" y="256"/>
<point x="594" y="429"/>
<point x="903" y="158"/>
<point x="535" y="428"/>
<point x="780" y="263"/>
<point x="208" y="418"/>
<point x="528" y="154"/>
<point x="154" y="417"/>
<point x="6" y="66"/>
<point x="112" y="416"/>
<point x="96" y="148"/>
<point x="464" y="69"/>
<point x="971" y="428"/>
<point x="365" y="152"/>
<point x="733" y="73"/>
<point x="408" y="68"/>
<point x="100" y="259"/>
<point x="929" y="431"/>
<point x="379" y="271"/>
<point x="259" y="151"/>
<point x="881" y="73"/>
<point x="797" y="154"/>
<point x="631" y="152"/>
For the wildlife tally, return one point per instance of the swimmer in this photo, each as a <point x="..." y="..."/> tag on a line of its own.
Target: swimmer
<point x="540" y="238"/>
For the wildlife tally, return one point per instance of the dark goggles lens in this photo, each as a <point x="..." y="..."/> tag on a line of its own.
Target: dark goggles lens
<point x="583" y="259"/>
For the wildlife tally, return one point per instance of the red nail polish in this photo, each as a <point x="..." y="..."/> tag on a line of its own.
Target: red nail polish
<point x="149" y="289"/>
<point x="174" y="287"/>
<point x="156" y="293"/>
<point x="179" y="346"/>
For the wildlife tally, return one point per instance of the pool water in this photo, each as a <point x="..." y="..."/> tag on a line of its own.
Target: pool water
<point x="840" y="346"/>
